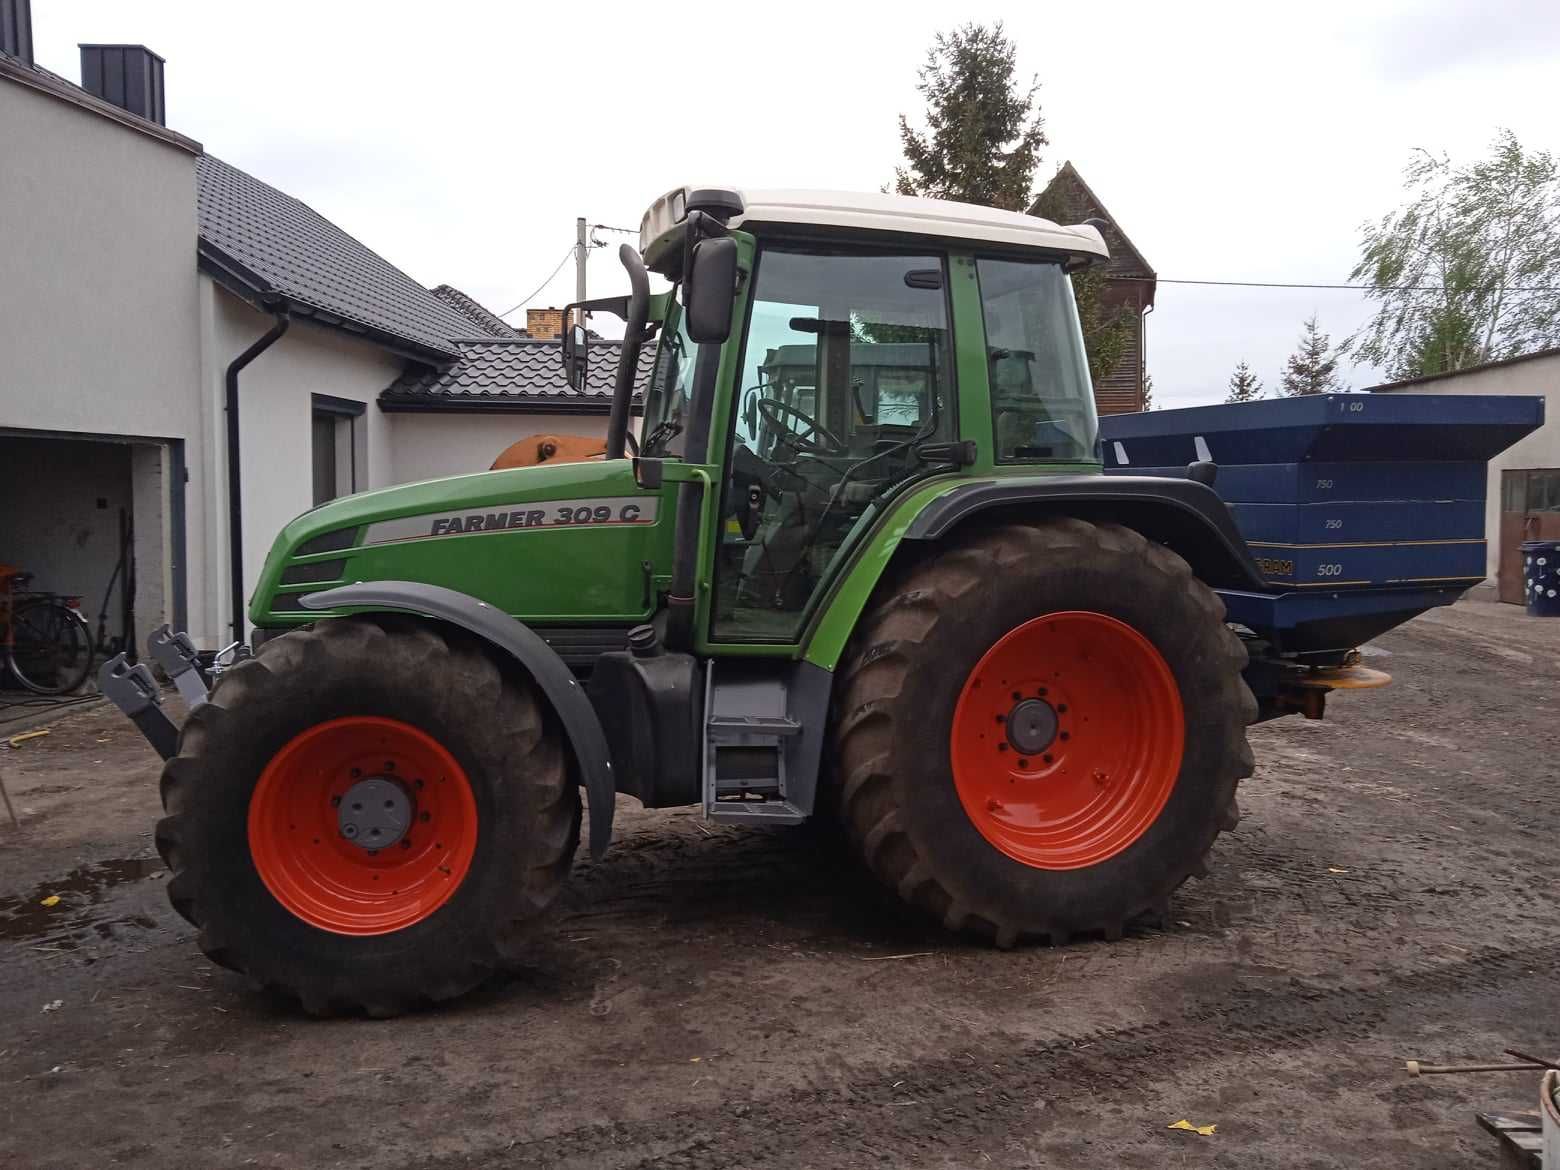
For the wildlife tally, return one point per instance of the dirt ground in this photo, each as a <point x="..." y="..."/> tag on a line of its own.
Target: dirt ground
<point x="722" y="997"/>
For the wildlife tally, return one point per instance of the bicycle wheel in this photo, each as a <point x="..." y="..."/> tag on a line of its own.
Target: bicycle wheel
<point x="51" y="649"/>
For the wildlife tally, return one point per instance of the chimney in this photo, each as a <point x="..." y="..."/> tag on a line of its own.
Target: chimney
<point x="546" y="324"/>
<point x="129" y="76"/>
<point x="16" y="29"/>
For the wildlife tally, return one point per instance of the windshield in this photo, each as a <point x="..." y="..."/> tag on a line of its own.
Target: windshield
<point x="671" y="388"/>
<point x="1042" y="400"/>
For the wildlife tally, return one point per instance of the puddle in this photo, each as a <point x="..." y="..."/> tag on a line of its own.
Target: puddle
<point x="67" y="923"/>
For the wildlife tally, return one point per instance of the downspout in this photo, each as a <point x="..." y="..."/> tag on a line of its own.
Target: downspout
<point x="235" y="479"/>
<point x="1143" y="345"/>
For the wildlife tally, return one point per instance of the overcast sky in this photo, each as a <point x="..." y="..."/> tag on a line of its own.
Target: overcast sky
<point x="1235" y="141"/>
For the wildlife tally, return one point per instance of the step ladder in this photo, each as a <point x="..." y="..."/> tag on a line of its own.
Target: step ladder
<point x="752" y="741"/>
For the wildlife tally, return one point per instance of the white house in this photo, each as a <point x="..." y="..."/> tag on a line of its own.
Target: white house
<point x="1522" y="499"/>
<point x="142" y="282"/>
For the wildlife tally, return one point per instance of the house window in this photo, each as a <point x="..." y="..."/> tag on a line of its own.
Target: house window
<point x="340" y="447"/>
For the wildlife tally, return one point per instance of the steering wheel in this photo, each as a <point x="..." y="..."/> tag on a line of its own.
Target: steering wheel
<point x="811" y="437"/>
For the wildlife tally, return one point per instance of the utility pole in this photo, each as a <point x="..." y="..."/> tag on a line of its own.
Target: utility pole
<point x="581" y="250"/>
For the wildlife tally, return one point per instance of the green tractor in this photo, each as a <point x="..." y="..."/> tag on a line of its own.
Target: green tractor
<point x="863" y="563"/>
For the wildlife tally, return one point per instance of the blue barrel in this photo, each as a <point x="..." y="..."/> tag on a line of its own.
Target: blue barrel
<point x="1541" y="577"/>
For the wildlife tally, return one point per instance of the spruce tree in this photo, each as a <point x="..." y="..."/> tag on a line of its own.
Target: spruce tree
<point x="983" y="130"/>
<point x="1244" y="386"/>
<point x="1313" y="367"/>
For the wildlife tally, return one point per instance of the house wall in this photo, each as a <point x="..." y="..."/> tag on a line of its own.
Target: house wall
<point x="275" y="408"/>
<point x="1540" y="376"/>
<point x="431" y="445"/>
<point x="98" y="324"/>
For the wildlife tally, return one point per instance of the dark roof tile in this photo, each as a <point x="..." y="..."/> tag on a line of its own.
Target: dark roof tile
<point x="488" y="323"/>
<point x="522" y="371"/>
<point x="310" y="261"/>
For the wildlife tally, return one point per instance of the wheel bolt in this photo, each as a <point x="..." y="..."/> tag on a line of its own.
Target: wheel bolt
<point x="1046" y="757"/>
<point x="335" y="802"/>
<point x="425" y="818"/>
<point x="349" y="832"/>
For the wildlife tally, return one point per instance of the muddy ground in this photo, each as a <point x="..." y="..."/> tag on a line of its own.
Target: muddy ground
<point x="721" y="997"/>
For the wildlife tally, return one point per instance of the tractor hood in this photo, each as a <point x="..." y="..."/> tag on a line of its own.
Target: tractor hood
<point x="547" y="543"/>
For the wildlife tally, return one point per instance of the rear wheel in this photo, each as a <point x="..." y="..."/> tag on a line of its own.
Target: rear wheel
<point x="51" y="647"/>
<point x="1041" y="729"/>
<point x="368" y="815"/>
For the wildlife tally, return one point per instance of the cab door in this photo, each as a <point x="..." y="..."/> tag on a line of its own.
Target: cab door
<point x="844" y="371"/>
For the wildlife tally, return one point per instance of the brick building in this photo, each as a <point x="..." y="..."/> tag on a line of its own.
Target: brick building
<point x="1130" y="284"/>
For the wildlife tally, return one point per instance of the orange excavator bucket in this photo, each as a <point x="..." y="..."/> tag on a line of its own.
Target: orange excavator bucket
<point x="534" y="449"/>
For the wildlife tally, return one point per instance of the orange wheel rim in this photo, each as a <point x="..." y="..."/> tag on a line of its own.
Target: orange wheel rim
<point x="362" y="825"/>
<point x="1067" y="740"/>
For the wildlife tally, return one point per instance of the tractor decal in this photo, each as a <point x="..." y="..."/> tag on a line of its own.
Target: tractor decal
<point x="594" y="513"/>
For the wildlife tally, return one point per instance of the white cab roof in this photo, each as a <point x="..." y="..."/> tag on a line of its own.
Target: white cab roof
<point x="922" y="217"/>
<point x="860" y="211"/>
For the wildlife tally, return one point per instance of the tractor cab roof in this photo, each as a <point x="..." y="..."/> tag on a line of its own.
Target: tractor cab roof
<point x="856" y="211"/>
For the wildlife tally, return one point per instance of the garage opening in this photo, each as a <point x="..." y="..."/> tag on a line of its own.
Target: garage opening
<point x="93" y="518"/>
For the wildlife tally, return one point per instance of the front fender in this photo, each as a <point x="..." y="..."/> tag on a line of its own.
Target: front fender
<point x="540" y="661"/>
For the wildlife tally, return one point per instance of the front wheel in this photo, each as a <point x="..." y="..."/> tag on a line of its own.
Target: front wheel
<point x="368" y="815"/>
<point x="1041" y="730"/>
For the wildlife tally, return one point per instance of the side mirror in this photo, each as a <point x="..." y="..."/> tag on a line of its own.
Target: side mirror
<point x="576" y="356"/>
<point x="709" y="289"/>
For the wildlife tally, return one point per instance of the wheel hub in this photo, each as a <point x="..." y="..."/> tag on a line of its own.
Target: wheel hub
<point x="1067" y="739"/>
<point x="363" y="825"/>
<point x="1031" y="726"/>
<point x="374" y="813"/>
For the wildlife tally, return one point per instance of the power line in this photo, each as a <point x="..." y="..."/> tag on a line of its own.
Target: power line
<point x="543" y="285"/>
<point x="606" y="227"/>
<point x="1352" y="287"/>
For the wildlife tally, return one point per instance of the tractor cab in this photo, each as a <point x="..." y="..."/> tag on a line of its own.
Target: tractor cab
<point x="815" y="353"/>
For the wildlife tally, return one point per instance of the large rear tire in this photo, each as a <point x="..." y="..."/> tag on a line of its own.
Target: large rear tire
<point x="1040" y="730"/>
<point x="368" y="815"/>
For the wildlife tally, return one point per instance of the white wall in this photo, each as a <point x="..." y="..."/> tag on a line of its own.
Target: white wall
<point x="275" y="408"/>
<point x="1538" y="376"/>
<point x="430" y="445"/>
<point x="99" y="330"/>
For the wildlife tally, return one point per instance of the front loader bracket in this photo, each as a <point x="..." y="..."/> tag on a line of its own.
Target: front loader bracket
<point x="134" y="690"/>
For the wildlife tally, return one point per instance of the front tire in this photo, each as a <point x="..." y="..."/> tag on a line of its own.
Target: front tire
<point x="368" y="815"/>
<point x="1041" y="729"/>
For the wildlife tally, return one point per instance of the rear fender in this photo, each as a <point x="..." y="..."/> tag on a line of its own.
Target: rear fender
<point x="1182" y="514"/>
<point x="1186" y="516"/>
<point x="536" y="657"/>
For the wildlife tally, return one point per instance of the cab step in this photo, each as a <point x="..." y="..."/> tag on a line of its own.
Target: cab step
<point x="757" y="735"/>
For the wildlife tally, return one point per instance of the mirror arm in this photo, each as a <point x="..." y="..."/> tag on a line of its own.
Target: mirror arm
<point x="638" y="309"/>
<point x="617" y="306"/>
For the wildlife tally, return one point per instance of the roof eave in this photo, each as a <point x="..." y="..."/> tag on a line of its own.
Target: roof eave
<point x="251" y="287"/>
<point x="509" y="405"/>
<point x="45" y="83"/>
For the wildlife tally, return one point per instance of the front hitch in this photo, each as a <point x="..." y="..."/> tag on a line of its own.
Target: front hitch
<point x="134" y="690"/>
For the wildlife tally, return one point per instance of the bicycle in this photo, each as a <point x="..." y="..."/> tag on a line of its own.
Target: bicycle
<point x="46" y="641"/>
